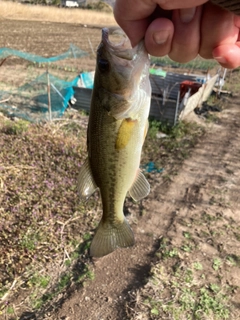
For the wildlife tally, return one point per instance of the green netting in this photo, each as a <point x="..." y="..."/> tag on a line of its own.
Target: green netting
<point x="73" y="52"/>
<point x="31" y="100"/>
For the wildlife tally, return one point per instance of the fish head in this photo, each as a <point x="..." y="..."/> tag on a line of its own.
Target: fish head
<point x="120" y="71"/>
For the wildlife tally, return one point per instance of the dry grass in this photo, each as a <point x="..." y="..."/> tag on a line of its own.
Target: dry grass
<point x="13" y="10"/>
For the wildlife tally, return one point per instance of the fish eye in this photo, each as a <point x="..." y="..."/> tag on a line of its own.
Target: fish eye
<point x="103" y="65"/>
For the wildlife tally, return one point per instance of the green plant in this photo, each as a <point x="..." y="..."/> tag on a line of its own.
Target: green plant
<point x="216" y="264"/>
<point x="209" y="304"/>
<point x="10" y="310"/>
<point x="64" y="281"/>
<point x="195" y="64"/>
<point x="14" y="127"/>
<point x="166" y="251"/>
<point x="211" y="117"/>
<point x="197" y="266"/>
<point x="187" y="234"/>
<point x="38" y="280"/>
<point x="155" y="311"/>
<point x="154" y="127"/>
<point x="214" y="287"/>
<point x="187" y="247"/>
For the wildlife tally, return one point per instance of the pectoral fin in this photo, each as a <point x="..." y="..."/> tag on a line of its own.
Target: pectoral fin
<point x="124" y="133"/>
<point x="86" y="185"/>
<point x="146" y="130"/>
<point x="140" y="188"/>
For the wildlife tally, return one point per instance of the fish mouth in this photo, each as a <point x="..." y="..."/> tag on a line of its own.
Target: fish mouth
<point x="122" y="49"/>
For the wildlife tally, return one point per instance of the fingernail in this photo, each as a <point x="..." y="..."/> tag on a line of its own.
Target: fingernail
<point x="220" y="59"/>
<point x="160" y="37"/>
<point x="186" y="15"/>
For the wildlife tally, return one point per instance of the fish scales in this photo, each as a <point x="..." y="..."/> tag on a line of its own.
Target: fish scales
<point x="116" y="132"/>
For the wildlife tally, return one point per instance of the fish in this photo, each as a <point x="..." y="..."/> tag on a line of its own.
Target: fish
<point x="117" y="127"/>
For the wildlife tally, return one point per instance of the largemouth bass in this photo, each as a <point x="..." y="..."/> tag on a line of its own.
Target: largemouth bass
<point x="117" y="127"/>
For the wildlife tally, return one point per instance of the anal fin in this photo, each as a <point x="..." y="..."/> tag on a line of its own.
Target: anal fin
<point x="85" y="183"/>
<point x="140" y="188"/>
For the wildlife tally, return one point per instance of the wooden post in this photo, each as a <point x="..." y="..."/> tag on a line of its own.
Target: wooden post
<point x="221" y="81"/>
<point x="49" y="96"/>
<point x="177" y="107"/>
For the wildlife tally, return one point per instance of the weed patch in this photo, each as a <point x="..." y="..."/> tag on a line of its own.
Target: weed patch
<point x="186" y="282"/>
<point x="197" y="63"/>
<point x="42" y="221"/>
<point x="177" y="145"/>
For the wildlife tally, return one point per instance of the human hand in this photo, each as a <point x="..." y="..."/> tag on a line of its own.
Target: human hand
<point x="182" y="29"/>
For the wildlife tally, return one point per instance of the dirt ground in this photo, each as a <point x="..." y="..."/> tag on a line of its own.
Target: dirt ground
<point x="207" y="184"/>
<point x="47" y="39"/>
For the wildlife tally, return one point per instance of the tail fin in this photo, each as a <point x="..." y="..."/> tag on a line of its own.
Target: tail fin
<point x="110" y="237"/>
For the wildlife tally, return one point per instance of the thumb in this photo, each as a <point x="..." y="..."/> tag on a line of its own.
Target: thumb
<point x="228" y="55"/>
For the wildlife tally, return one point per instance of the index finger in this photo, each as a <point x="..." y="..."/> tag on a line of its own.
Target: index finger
<point x="134" y="16"/>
